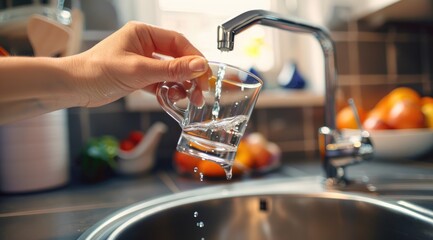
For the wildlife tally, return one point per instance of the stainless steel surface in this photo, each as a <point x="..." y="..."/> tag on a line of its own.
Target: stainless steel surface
<point x="337" y="151"/>
<point x="267" y="209"/>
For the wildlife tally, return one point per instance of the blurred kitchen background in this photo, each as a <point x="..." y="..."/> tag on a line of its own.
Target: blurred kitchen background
<point x="380" y="45"/>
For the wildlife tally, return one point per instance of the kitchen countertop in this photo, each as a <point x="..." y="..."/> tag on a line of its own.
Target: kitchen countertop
<point x="67" y="212"/>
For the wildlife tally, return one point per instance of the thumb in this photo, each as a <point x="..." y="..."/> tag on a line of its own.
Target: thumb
<point x="177" y="69"/>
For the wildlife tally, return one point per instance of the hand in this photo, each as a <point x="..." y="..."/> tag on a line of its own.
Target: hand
<point x="124" y="62"/>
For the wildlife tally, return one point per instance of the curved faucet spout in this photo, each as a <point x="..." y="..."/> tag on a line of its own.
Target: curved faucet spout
<point x="228" y="30"/>
<point x="335" y="151"/>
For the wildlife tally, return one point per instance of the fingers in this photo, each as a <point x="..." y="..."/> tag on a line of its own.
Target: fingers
<point x="203" y="80"/>
<point x="188" y="63"/>
<point x="175" y="70"/>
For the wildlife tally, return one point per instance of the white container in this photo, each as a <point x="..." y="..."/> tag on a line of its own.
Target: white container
<point x="142" y="158"/>
<point x="34" y="154"/>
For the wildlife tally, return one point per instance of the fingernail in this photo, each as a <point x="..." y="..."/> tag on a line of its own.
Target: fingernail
<point x="197" y="64"/>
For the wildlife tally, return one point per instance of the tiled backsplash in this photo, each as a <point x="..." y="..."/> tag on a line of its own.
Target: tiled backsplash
<point x="370" y="63"/>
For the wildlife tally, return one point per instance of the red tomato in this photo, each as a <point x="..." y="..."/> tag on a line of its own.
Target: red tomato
<point x="135" y="137"/>
<point x="126" y="145"/>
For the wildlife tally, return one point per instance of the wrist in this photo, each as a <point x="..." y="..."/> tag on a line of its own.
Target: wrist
<point x="73" y="79"/>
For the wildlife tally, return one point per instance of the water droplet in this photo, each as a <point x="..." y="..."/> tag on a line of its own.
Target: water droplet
<point x="195" y="169"/>
<point x="228" y="171"/>
<point x="195" y="214"/>
<point x="201" y="177"/>
<point x="200" y="224"/>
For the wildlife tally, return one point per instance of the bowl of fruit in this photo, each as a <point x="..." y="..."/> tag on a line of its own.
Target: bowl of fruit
<point x="255" y="155"/>
<point x="400" y="124"/>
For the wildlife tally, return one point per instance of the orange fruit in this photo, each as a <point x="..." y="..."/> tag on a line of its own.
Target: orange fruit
<point x="399" y="94"/>
<point x="426" y="100"/>
<point x="427" y="109"/>
<point x="244" y="155"/>
<point x="405" y="114"/>
<point x="185" y="163"/>
<point x="210" y="169"/>
<point x="257" y="144"/>
<point x="346" y="119"/>
<point x="374" y="122"/>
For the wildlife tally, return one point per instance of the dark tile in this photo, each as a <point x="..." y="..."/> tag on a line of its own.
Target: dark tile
<point x="114" y="107"/>
<point x="371" y="94"/>
<point x="74" y="110"/>
<point x="342" y="58"/>
<point x="284" y="124"/>
<point x="366" y="25"/>
<point x="409" y="58"/>
<point x="411" y="28"/>
<point x="75" y="139"/>
<point x="252" y="123"/>
<point x="168" y="143"/>
<point x="347" y="92"/>
<point x="430" y="57"/>
<point x="318" y="120"/>
<point x="114" y="124"/>
<point x="372" y="58"/>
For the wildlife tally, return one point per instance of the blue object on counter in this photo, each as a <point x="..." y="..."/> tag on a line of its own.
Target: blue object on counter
<point x="255" y="72"/>
<point x="290" y="77"/>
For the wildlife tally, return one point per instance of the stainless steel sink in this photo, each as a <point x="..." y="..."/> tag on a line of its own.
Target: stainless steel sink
<point x="265" y="209"/>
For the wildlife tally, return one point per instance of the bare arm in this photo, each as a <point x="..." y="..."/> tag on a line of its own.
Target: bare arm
<point x="32" y="86"/>
<point x="113" y="68"/>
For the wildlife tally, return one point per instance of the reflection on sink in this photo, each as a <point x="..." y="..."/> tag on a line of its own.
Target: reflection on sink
<point x="402" y="187"/>
<point x="266" y="209"/>
<point x="322" y="216"/>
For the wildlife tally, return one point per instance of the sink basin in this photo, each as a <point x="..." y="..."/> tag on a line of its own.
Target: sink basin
<point x="271" y="209"/>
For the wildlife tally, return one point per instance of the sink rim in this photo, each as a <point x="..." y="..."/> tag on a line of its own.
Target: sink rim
<point x="312" y="187"/>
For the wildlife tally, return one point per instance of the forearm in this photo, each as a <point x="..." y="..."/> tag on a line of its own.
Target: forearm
<point x="31" y="86"/>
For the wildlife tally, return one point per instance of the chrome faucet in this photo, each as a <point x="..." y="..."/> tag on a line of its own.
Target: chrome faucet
<point x="337" y="151"/>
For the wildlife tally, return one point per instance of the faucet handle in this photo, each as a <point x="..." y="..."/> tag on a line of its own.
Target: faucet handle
<point x="339" y="150"/>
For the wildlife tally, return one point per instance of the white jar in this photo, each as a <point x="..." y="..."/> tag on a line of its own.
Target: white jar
<point x="34" y="153"/>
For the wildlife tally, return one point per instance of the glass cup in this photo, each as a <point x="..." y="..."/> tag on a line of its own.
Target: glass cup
<point x="213" y="131"/>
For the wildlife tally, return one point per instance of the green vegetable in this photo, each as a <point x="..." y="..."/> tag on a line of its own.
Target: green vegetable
<point x="99" y="158"/>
